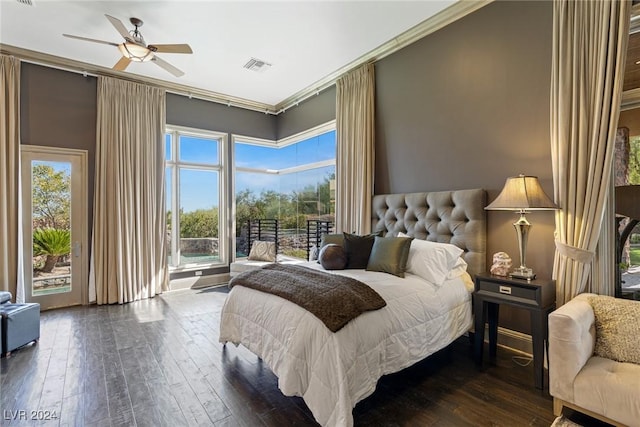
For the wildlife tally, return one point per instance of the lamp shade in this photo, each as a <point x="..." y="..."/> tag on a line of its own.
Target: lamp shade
<point x="522" y="193"/>
<point x="135" y="52"/>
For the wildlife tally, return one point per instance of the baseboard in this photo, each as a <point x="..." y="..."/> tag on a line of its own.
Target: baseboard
<point x="197" y="282"/>
<point x="514" y="340"/>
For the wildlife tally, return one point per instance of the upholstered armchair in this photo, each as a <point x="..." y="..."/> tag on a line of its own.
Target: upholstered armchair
<point x="583" y="371"/>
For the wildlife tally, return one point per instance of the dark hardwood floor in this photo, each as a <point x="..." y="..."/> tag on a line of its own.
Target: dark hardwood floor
<point x="159" y="363"/>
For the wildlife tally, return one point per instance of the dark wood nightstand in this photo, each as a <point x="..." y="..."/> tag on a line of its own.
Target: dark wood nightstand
<point x="538" y="296"/>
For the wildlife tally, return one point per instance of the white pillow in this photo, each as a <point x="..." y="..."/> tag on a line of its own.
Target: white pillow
<point x="433" y="261"/>
<point x="459" y="268"/>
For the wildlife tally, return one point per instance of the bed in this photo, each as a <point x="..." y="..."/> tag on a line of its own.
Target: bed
<point x="334" y="371"/>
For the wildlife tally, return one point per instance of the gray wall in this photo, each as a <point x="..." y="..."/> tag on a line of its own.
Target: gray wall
<point x="317" y="110"/>
<point x="468" y="106"/>
<point x="200" y="114"/>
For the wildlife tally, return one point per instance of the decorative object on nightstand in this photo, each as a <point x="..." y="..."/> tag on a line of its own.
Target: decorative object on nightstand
<point x="501" y="264"/>
<point x="522" y="194"/>
<point x="536" y="296"/>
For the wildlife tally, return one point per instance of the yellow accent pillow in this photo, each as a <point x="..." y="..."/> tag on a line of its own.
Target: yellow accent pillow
<point x="617" y="328"/>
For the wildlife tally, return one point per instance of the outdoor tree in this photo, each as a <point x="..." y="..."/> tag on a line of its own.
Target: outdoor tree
<point x="248" y="206"/>
<point x="51" y="198"/>
<point x="199" y="223"/>
<point x="634" y="161"/>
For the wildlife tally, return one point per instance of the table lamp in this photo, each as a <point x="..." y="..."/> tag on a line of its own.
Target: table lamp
<point x="522" y="194"/>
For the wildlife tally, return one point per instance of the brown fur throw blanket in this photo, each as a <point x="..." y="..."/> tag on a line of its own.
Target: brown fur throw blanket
<point x="332" y="298"/>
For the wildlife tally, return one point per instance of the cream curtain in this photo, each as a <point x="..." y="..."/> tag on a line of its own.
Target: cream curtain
<point x="129" y="241"/>
<point x="355" y="127"/>
<point x="603" y="281"/>
<point x="589" y="51"/>
<point x="11" y="274"/>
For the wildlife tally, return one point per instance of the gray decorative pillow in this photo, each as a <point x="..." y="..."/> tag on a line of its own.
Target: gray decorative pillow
<point x="617" y="321"/>
<point x="263" y="251"/>
<point x="332" y="257"/>
<point x="358" y="248"/>
<point x="389" y="255"/>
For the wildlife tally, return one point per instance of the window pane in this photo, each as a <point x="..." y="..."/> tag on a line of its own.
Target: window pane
<point x="310" y="197"/>
<point x="327" y="146"/>
<point x="51" y="222"/>
<point x="169" y="198"/>
<point x="199" y="150"/>
<point x="292" y="198"/>
<point x="315" y="149"/>
<point x="199" y="224"/>
<point x="628" y="173"/>
<point x="167" y="146"/>
<point x="259" y="157"/>
<point x="315" y="198"/>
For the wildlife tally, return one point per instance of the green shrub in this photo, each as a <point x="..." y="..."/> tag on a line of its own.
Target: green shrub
<point x="53" y="243"/>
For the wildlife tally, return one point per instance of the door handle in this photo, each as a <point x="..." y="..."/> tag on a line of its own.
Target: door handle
<point x="76" y="249"/>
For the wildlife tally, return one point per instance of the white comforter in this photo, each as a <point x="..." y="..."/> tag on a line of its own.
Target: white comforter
<point x="334" y="371"/>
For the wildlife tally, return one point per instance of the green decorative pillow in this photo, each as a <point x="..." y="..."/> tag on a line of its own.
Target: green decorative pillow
<point x="263" y="251"/>
<point x="389" y="255"/>
<point x="358" y="249"/>
<point x="617" y="334"/>
<point x="337" y="239"/>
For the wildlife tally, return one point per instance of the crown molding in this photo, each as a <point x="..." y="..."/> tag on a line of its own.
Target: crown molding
<point x="65" y="64"/>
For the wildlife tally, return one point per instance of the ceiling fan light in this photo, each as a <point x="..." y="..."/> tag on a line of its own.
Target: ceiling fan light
<point x="135" y="52"/>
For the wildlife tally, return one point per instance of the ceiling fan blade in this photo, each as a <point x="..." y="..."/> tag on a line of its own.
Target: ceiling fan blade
<point x="122" y="64"/>
<point x="170" y="68"/>
<point x="170" y="48"/>
<point x="90" y="40"/>
<point x="120" y="27"/>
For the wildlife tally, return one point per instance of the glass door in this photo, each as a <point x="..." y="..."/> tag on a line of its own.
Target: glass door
<point x="54" y="221"/>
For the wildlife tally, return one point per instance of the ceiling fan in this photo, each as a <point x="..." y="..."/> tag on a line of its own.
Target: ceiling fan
<point x="134" y="48"/>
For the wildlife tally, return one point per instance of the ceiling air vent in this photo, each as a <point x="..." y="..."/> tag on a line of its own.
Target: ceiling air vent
<point x="27" y="2"/>
<point x="257" y="65"/>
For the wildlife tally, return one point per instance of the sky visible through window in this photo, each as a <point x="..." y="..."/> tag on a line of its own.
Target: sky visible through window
<point x="312" y="150"/>
<point x="200" y="190"/>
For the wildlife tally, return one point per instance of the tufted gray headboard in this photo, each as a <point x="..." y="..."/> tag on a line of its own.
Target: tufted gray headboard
<point x="456" y="217"/>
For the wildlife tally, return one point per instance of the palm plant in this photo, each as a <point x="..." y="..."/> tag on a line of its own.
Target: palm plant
<point x="53" y="243"/>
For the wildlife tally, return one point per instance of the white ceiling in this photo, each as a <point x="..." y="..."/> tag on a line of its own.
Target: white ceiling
<point x="305" y="41"/>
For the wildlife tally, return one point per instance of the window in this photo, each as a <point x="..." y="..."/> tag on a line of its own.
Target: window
<point x="627" y="173"/>
<point x="195" y="191"/>
<point x="292" y="181"/>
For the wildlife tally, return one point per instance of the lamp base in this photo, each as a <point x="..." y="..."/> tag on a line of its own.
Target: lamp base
<point x="523" y="273"/>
